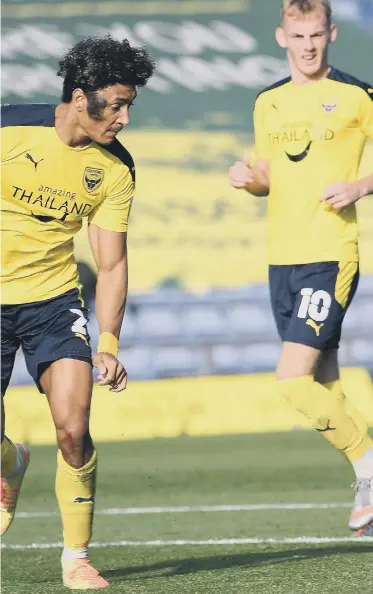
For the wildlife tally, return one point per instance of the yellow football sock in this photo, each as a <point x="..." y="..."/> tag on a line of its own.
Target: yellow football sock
<point x="75" y="490"/>
<point x="330" y="414"/>
<point x="8" y="457"/>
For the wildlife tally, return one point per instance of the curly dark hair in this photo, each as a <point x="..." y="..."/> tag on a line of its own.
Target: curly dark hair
<point x="98" y="62"/>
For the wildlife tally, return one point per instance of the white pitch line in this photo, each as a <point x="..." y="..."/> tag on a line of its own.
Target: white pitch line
<point x="211" y="541"/>
<point x="182" y="509"/>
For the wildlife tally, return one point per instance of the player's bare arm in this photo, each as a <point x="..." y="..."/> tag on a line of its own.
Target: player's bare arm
<point x="110" y="253"/>
<point x="254" y="178"/>
<point x="342" y="194"/>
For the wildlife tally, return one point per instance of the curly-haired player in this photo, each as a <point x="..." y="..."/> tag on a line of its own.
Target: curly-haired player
<point x="61" y="163"/>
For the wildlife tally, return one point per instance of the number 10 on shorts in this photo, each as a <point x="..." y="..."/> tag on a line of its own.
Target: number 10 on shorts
<point x="315" y="304"/>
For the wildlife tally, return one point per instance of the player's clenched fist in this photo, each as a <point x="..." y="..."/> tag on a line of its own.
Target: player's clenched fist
<point x="241" y="174"/>
<point x="110" y="372"/>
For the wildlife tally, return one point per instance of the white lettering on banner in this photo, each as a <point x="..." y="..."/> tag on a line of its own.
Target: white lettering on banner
<point x="188" y="70"/>
<point x="194" y="74"/>
<point x="240" y="40"/>
<point x="29" y="81"/>
<point x="188" y="38"/>
<point x="159" y="85"/>
<point x="43" y="41"/>
<point x="116" y="30"/>
<point x="194" y="38"/>
<point x="222" y="74"/>
<point x="40" y="41"/>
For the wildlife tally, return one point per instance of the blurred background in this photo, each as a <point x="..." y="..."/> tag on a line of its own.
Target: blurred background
<point x="198" y="302"/>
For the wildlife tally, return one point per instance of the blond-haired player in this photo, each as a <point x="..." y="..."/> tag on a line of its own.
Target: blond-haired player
<point x="310" y="131"/>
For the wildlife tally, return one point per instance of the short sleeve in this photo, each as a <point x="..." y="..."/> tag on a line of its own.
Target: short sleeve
<point x="260" y="131"/>
<point x="113" y="212"/>
<point x="367" y="114"/>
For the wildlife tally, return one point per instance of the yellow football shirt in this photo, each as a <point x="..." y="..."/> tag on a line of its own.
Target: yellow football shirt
<point x="313" y="136"/>
<point x="47" y="189"/>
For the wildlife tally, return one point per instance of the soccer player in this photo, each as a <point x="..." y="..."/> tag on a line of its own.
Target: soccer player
<point x="310" y="131"/>
<point x="61" y="163"/>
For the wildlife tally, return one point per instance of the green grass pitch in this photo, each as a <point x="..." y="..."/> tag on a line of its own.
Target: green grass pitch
<point x="263" y="470"/>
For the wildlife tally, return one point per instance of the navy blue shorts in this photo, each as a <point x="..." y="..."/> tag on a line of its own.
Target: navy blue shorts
<point x="47" y="331"/>
<point x="309" y="301"/>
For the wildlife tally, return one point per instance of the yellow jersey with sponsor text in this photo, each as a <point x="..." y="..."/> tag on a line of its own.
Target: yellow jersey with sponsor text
<point x="47" y="188"/>
<point x="313" y="136"/>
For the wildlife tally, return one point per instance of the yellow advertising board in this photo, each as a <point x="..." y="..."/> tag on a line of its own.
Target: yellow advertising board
<point x="176" y="407"/>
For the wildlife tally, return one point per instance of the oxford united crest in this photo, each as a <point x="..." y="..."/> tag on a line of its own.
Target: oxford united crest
<point x="92" y="178"/>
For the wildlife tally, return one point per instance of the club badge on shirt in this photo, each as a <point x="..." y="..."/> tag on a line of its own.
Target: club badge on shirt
<point x="329" y="107"/>
<point x="92" y="179"/>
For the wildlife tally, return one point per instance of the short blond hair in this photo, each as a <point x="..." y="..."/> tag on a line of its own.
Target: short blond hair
<point x="299" y="8"/>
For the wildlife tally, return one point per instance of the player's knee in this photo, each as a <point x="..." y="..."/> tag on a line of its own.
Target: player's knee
<point x="296" y="361"/>
<point x="72" y="435"/>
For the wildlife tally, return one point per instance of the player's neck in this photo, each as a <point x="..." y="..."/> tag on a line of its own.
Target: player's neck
<point x="300" y="79"/>
<point x="68" y="128"/>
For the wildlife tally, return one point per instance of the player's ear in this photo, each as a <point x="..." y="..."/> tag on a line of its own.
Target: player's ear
<point x="333" y="33"/>
<point x="78" y="99"/>
<point x="281" y="37"/>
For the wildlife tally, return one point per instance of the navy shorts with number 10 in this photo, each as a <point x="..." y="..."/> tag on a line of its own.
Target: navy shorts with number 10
<point x="47" y="331"/>
<point x="309" y="301"/>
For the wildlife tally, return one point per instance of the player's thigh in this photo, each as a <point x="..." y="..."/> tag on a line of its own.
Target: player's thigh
<point x="67" y="384"/>
<point x="323" y="292"/>
<point x="297" y="360"/>
<point x="282" y="301"/>
<point x="52" y="331"/>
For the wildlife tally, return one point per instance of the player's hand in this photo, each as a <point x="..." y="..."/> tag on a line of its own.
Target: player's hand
<point x="241" y="174"/>
<point x="110" y="372"/>
<point x="341" y="194"/>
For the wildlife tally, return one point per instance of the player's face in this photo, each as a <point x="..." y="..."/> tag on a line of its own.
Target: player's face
<point x="306" y="40"/>
<point x="106" y="112"/>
